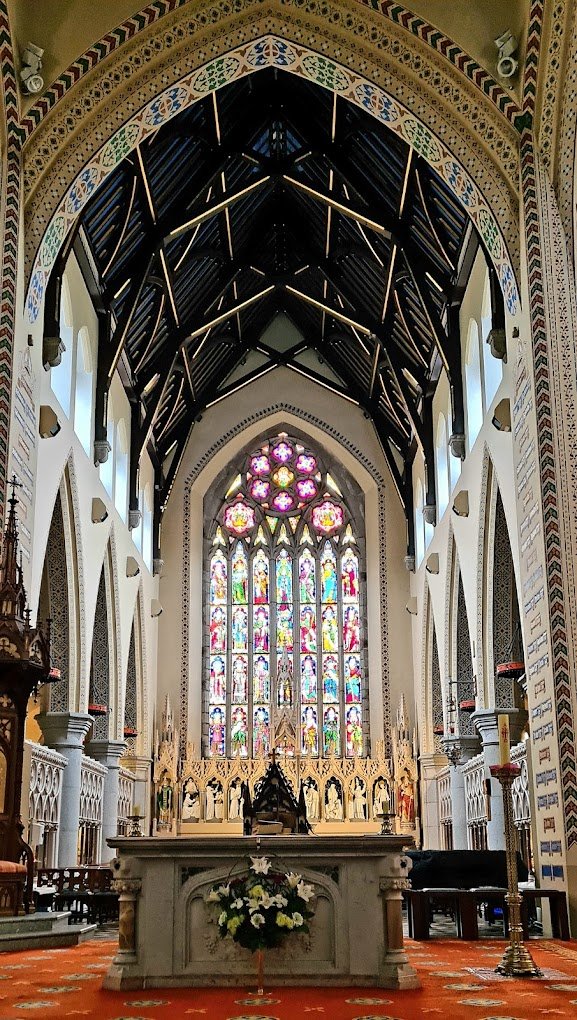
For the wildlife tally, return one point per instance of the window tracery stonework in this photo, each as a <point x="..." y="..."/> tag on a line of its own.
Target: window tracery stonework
<point x="437" y="697"/>
<point x="186" y="594"/>
<point x="46" y="769"/>
<point x="418" y="94"/>
<point x="58" y="607"/>
<point x="100" y="664"/>
<point x="92" y="775"/>
<point x="465" y="682"/>
<point x="285" y="618"/>
<point x="130" y="714"/>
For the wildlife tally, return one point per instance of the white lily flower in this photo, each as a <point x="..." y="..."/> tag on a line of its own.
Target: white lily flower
<point x="257" y="920"/>
<point x="254" y="905"/>
<point x="306" y="892"/>
<point x="260" y="865"/>
<point x="213" y="897"/>
<point x="223" y="890"/>
<point x="278" y="900"/>
<point x="293" y="879"/>
<point x="238" y="904"/>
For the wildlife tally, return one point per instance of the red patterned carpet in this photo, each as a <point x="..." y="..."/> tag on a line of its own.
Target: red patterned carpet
<point x="458" y="982"/>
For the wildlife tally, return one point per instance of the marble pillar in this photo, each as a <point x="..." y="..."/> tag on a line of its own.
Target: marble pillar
<point x="431" y="764"/>
<point x="485" y="722"/>
<point x="65" y="732"/>
<point x="109" y="753"/>
<point x="459" y="750"/>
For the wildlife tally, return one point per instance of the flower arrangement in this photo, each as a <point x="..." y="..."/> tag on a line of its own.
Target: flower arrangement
<point x="260" y="908"/>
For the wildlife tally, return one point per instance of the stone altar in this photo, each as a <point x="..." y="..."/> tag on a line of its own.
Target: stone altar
<point x="166" y="938"/>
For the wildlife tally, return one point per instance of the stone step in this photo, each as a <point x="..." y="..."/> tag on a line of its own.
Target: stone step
<point x="70" y="935"/>
<point x="39" y="922"/>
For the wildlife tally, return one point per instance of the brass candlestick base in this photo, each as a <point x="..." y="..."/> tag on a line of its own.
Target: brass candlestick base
<point x="517" y="960"/>
<point x="387" y="825"/>
<point x="134" y="829"/>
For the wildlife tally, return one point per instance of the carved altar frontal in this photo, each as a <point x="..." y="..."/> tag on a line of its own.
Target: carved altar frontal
<point x="168" y="938"/>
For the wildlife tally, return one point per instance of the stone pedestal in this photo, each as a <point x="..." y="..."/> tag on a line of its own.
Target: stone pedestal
<point x="459" y="750"/>
<point x="65" y="733"/>
<point x="485" y="722"/>
<point x="356" y="935"/>
<point x="109" y="753"/>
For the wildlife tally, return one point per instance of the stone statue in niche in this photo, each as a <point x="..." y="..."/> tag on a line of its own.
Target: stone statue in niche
<point x="312" y="800"/>
<point x="381" y="798"/>
<point x="164" y="802"/>
<point x="190" y="801"/>
<point x="406" y="799"/>
<point x="334" y="801"/>
<point x="214" y="801"/>
<point x="235" y="801"/>
<point x="358" y="800"/>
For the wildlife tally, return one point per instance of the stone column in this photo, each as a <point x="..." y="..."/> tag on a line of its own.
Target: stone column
<point x="109" y="753"/>
<point x="430" y="764"/>
<point x="485" y="722"/>
<point x="65" y="733"/>
<point x="128" y="890"/>
<point x="458" y="751"/>
<point x="395" y="970"/>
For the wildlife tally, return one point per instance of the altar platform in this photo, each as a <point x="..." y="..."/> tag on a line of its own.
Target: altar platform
<point x="166" y="938"/>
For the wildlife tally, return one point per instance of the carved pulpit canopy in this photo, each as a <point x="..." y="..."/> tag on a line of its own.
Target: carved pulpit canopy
<point x="275" y="809"/>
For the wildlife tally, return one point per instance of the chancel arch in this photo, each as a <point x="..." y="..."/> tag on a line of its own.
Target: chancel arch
<point x="431" y="127"/>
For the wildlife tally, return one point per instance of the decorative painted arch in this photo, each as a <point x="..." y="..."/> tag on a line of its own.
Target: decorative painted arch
<point x="410" y="106"/>
<point x="152" y="14"/>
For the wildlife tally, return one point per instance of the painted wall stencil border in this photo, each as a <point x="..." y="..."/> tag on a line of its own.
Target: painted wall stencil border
<point x="10" y="201"/>
<point x="221" y="442"/>
<point x="272" y="51"/>
<point x="417" y="26"/>
<point x="543" y="382"/>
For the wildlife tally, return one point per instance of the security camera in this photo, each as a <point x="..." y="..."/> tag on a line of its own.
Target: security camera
<point x="507" y="63"/>
<point x="30" y="77"/>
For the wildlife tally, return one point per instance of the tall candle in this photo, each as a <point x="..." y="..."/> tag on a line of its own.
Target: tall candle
<point x="136" y="809"/>
<point x="504" y="739"/>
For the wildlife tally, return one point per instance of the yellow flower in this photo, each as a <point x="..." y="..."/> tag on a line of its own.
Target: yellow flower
<point x="283" y="921"/>
<point x="257" y="892"/>
<point x="235" y="923"/>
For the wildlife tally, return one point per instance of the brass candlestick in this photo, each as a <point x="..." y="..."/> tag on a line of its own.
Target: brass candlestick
<point x="134" y="828"/>
<point x="517" y="960"/>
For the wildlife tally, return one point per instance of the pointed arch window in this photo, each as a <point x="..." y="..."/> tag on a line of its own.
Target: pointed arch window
<point x="284" y="583"/>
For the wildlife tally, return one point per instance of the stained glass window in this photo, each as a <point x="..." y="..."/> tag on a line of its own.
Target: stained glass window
<point x="284" y="583"/>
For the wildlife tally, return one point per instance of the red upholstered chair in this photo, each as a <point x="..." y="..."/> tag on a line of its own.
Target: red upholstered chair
<point x="13" y="885"/>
